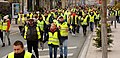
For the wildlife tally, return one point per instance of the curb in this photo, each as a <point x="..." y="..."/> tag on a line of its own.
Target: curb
<point x="85" y="47"/>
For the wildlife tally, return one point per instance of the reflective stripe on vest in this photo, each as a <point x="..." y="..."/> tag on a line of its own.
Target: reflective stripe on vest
<point x="4" y="27"/>
<point x="118" y="12"/>
<point x="0" y="25"/>
<point x="38" y="32"/>
<point x="27" y="55"/>
<point x="40" y="24"/>
<point x="92" y="18"/>
<point x="53" y="38"/>
<point x="23" y="20"/>
<point x="63" y="29"/>
<point x="74" y="19"/>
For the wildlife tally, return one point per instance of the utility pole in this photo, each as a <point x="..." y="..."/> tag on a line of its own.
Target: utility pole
<point x="104" y="29"/>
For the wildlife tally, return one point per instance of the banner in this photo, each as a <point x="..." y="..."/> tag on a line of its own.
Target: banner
<point x="15" y="10"/>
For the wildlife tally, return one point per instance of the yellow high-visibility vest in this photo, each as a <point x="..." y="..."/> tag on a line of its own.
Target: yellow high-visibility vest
<point x="53" y="38"/>
<point x="91" y="18"/>
<point x="23" y="20"/>
<point x="84" y="21"/>
<point x="26" y="55"/>
<point x="4" y="27"/>
<point x="0" y="25"/>
<point x="63" y="29"/>
<point x="74" y="19"/>
<point x="97" y="16"/>
<point x="40" y="24"/>
<point x="38" y="32"/>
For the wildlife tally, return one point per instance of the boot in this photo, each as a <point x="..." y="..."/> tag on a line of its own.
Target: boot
<point x="61" y="56"/>
<point x="3" y="45"/>
<point x="65" y="56"/>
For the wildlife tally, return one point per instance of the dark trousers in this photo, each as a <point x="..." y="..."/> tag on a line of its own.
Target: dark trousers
<point x="51" y="51"/>
<point x="77" y="28"/>
<point x="20" y="28"/>
<point x="117" y="18"/>
<point x="34" y="45"/>
<point x="73" y="29"/>
<point x="84" y="29"/>
<point x="1" y="36"/>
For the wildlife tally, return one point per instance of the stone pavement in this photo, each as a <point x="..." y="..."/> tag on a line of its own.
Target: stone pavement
<point x="13" y="27"/>
<point x="114" y="52"/>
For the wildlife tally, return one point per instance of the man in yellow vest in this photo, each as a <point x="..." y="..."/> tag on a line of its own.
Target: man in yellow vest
<point x="6" y="29"/>
<point x="53" y="39"/>
<point x="1" y="32"/>
<point x="63" y="27"/>
<point x="42" y="25"/>
<point x="84" y="24"/>
<point x="19" y="51"/>
<point x="92" y="18"/>
<point x="31" y="34"/>
<point x="21" y="22"/>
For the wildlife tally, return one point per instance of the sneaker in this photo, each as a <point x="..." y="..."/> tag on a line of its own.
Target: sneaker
<point x="73" y="34"/>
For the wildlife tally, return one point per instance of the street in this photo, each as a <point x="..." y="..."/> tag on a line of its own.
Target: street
<point x="75" y="44"/>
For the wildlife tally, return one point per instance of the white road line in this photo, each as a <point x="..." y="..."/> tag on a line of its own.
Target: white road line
<point x="47" y="56"/>
<point x="47" y="49"/>
<point x="58" y="55"/>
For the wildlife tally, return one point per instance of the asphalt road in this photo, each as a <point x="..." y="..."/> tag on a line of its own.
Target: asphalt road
<point x="75" y="44"/>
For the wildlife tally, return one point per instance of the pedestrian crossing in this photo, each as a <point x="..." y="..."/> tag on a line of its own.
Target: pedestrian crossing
<point x="45" y="53"/>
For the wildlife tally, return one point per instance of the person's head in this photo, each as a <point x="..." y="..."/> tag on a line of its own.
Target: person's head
<point x="61" y="19"/>
<point x="40" y="17"/>
<point x="18" y="47"/>
<point x="31" y="21"/>
<point x="53" y="26"/>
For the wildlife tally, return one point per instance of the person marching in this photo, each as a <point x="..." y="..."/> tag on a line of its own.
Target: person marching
<point x="97" y="19"/>
<point x="41" y="23"/>
<point x="92" y="18"/>
<point x="31" y="34"/>
<point x="73" y="20"/>
<point x="19" y="51"/>
<point x="6" y="30"/>
<point x="53" y="38"/>
<point x="1" y="32"/>
<point x="63" y="26"/>
<point x="84" y="23"/>
<point x="21" y="22"/>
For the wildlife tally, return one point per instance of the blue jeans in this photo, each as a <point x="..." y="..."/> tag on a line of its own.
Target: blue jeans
<point x="6" y="34"/>
<point x="91" y="26"/>
<point x="55" y="51"/>
<point x="65" y="48"/>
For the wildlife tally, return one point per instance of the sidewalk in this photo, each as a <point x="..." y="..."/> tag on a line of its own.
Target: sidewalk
<point x="13" y="27"/>
<point x="94" y="52"/>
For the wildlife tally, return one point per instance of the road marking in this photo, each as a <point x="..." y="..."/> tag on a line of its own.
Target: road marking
<point x="47" y="49"/>
<point x="58" y="55"/>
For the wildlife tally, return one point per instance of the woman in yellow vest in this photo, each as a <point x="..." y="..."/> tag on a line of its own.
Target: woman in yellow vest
<point x="53" y="39"/>
<point x="6" y="30"/>
<point x="19" y="51"/>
